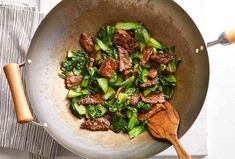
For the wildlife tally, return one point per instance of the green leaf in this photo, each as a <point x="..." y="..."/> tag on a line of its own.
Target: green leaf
<point x="143" y="74"/>
<point x="122" y="97"/>
<point x="127" y="82"/>
<point x="131" y="90"/>
<point x="168" y="92"/>
<point x="109" y="93"/>
<point x="106" y="34"/>
<point x="81" y="109"/>
<point x="92" y="71"/>
<point x="62" y="75"/>
<point x="154" y="43"/>
<point x="118" y="123"/>
<point x="114" y="78"/>
<point x="72" y="94"/>
<point x="171" y="79"/>
<point x="143" y="107"/>
<point x="142" y="35"/>
<point x="110" y="51"/>
<point x="136" y="131"/>
<point x="147" y="91"/>
<point x="103" y="84"/>
<point x="128" y="25"/>
<point x="171" y="66"/>
<point x="132" y="122"/>
<point x="85" y="81"/>
<point x="96" y="111"/>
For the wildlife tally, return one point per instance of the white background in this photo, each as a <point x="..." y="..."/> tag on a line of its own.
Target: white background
<point x="212" y="17"/>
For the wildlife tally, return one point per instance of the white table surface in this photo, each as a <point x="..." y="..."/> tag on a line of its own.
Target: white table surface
<point x="212" y="17"/>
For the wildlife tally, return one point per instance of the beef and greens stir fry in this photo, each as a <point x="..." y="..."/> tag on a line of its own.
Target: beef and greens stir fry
<point x="120" y="79"/>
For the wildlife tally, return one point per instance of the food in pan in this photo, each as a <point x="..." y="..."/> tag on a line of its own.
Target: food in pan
<point x="120" y="78"/>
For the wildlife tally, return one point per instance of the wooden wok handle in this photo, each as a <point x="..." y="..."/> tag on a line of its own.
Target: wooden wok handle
<point x="230" y="35"/>
<point x="178" y="147"/>
<point x="23" y="113"/>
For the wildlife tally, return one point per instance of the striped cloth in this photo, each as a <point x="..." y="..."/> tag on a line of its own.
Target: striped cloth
<point x="17" y="26"/>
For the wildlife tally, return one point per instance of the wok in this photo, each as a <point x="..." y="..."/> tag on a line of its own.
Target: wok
<point x="60" y="31"/>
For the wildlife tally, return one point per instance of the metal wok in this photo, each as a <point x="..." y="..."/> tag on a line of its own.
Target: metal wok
<point x="60" y="31"/>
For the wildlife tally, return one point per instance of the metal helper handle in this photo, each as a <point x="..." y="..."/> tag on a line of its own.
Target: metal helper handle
<point x="23" y="113"/>
<point x="225" y="38"/>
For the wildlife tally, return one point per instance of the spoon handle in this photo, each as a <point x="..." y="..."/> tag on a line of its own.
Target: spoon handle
<point x="182" y="154"/>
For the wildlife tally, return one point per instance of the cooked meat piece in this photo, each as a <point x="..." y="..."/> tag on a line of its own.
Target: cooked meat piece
<point x="128" y="73"/>
<point x="107" y="67"/>
<point x="153" y="98"/>
<point x="147" y="52"/>
<point x="162" y="57"/>
<point x="99" y="124"/>
<point x="91" y="61"/>
<point x="123" y="39"/>
<point x="124" y="60"/>
<point x="154" y="110"/>
<point x="119" y="91"/>
<point x="152" y="73"/>
<point x="73" y="81"/>
<point x="91" y="99"/>
<point x="131" y="33"/>
<point x="149" y="83"/>
<point x="134" y="99"/>
<point x="104" y="56"/>
<point x="87" y="43"/>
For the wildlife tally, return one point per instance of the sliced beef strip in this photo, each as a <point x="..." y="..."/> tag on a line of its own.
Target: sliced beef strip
<point x="128" y="73"/>
<point x="153" y="98"/>
<point x="152" y="73"/>
<point x="131" y="33"/>
<point x="98" y="124"/>
<point x="72" y="81"/>
<point x="134" y="99"/>
<point x="124" y="39"/>
<point x="87" y="43"/>
<point x="162" y="57"/>
<point x="149" y="83"/>
<point x="92" y="99"/>
<point x="107" y="67"/>
<point x="119" y="91"/>
<point x="154" y="110"/>
<point x="124" y="60"/>
<point x="91" y="61"/>
<point x="147" y="52"/>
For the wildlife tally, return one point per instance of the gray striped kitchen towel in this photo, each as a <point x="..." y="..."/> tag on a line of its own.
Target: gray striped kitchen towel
<point x="17" y="26"/>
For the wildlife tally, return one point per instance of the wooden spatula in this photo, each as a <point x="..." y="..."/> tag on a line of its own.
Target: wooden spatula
<point x="164" y="125"/>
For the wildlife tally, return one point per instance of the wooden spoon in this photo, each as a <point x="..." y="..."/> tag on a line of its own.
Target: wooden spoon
<point x="164" y="125"/>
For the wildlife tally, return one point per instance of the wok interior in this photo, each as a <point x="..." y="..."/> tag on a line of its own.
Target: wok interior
<point x="60" y="31"/>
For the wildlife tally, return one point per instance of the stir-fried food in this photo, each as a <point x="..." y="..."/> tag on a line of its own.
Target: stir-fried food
<point x="120" y="79"/>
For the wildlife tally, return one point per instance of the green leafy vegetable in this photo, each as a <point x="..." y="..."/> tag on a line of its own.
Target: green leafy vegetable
<point x="122" y="97"/>
<point x="77" y="110"/>
<point x="79" y="92"/>
<point x="154" y="43"/>
<point x="128" y="25"/>
<point x="127" y="82"/>
<point x="118" y="123"/>
<point x="85" y="81"/>
<point x="106" y="34"/>
<point x="110" y="51"/>
<point x="132" y="122"/>
<point x="109" y="93"/>
<point x="142" y="35"/>
<point x="114" y="78"/>
<point x="143" y="107"/>
<point x="136" y="131"/>
<point x="96" y="111"/>
<point x="103" y="84"/>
